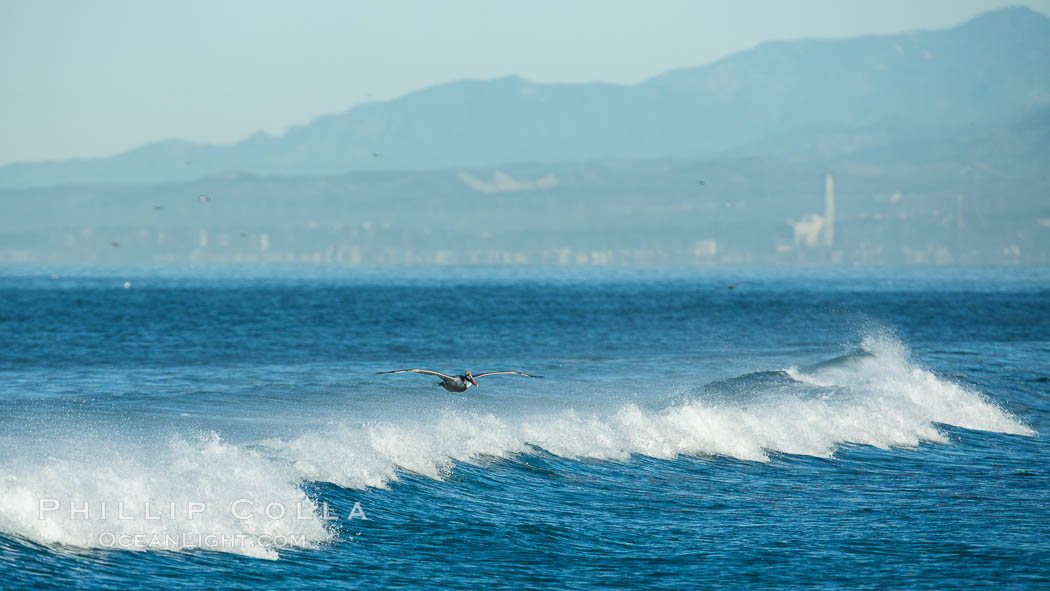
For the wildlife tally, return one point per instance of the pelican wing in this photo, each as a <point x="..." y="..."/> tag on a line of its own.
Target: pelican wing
<point x="422" y="371"/>
<point x="493" y="373"/>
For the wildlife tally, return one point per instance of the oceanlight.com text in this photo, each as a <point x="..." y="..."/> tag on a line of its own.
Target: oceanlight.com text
<point x="207" y="541"/>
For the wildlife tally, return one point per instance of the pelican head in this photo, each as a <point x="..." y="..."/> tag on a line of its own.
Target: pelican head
<point x="471" y="379"/>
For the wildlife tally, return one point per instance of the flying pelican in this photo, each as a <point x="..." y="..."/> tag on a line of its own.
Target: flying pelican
<point x="458" y="383"/>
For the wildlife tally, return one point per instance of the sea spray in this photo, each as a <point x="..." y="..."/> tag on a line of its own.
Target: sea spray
<point x="177" y="494"/>
<point x="876" y="396"/>
<point x="200" y="491"/>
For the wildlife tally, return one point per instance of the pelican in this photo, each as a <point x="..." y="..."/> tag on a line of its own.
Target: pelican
<point x="458" y="383"/>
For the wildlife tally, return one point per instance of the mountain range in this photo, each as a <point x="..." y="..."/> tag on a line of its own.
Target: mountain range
<point x="979" y="88"/>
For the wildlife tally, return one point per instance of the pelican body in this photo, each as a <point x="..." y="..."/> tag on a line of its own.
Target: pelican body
<point x="458" y="383"/>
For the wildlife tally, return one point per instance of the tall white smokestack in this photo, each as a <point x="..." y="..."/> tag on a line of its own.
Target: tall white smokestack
<point x="829" y="211"/>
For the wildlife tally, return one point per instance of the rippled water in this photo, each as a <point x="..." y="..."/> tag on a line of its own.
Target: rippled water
<point x="226" y="429"/>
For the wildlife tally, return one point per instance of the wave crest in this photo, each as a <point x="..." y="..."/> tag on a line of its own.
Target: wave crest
<point x="876" y="396"/>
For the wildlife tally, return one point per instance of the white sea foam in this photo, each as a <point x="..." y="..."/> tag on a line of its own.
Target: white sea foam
<point x="879" y="398"/>
<point x="179" y="494"/>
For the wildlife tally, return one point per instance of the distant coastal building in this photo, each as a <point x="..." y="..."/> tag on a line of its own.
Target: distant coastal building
<point x="807" y="230"/>
<point x="704" y="249"/>
<point x="829" y="211"/>
<point x="813" y="229"/>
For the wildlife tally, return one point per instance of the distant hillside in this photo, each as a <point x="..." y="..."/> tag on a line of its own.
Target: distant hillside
<point x="812" y="98"/>
<point x="719" y="211"/>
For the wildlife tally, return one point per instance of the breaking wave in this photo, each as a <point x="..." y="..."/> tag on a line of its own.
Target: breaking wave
<point x="876" y="396"/>
<point x="179" y="494"/>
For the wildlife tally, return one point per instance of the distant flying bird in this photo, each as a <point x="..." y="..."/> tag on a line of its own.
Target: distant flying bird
<point x="158" y="207"/>
<point x="458" y="383"/>
<point x="116" y="245"/>
<point x="204" y="198"/>
<point x="376" y="154"/>
<point x="701" y="182"/>
<point x="244" y="234"/>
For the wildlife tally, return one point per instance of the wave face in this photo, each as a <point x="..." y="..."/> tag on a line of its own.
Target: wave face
<point x="875" y="396"/>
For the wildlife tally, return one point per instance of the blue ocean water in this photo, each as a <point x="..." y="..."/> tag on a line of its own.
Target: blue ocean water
<point x="225" y="428"/>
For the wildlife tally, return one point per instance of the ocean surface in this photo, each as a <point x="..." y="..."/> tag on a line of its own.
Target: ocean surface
<point x="226" y="429"/>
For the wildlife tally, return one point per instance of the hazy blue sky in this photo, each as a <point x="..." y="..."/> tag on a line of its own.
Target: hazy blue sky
<point x="96" y="78"/>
